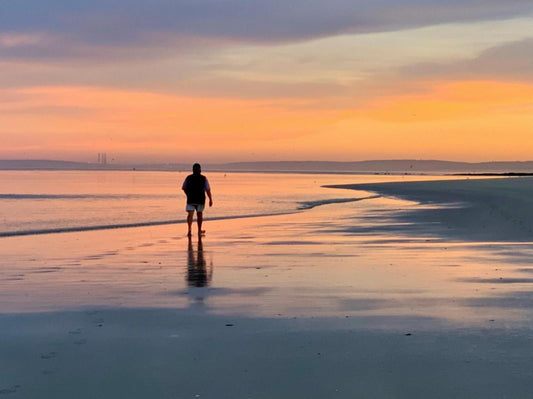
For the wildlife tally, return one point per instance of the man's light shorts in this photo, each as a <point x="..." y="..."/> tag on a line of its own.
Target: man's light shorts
<point x="195" y="207"/>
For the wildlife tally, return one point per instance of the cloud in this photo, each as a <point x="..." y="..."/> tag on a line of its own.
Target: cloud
<point x="73" y="26"/>
<point x="509" y="61"/>
<point x="260" y="49"/>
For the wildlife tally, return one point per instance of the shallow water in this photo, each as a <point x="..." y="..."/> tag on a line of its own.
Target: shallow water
<point x="52" y="201"/>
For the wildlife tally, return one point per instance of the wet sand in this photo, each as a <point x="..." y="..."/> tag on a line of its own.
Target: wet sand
<point x="465" y="209"/>
<point x="377" y="298"/>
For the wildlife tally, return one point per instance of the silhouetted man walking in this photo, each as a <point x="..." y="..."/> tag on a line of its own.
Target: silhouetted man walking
<point x="195" y="187"/>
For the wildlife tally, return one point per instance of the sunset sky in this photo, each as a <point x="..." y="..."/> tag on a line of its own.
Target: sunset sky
<point x="241" y="80"/>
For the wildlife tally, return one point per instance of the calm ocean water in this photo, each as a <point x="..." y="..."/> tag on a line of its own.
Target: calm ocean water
<point x="34" y="202"/>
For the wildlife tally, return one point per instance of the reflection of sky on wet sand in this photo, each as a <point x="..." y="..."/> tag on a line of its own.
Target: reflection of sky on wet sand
<point x="299" y="265"/>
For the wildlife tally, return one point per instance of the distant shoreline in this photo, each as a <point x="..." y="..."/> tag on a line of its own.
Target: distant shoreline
<point x="392" y="167"/>
<point x="494" y="174"/>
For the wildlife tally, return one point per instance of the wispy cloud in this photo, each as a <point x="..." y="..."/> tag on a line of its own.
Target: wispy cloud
<point x="510" y="61"/>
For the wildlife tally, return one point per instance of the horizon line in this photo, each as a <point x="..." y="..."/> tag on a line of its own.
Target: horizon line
<point x="261" y="161"/>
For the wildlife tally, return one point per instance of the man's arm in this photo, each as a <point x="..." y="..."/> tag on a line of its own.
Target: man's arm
<point x="207" y="188"/>
<point x="208" y="192"/>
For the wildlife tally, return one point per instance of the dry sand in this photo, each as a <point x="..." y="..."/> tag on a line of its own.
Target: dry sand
<point x="368" y="299"/>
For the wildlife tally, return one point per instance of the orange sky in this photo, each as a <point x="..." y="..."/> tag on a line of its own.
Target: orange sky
<point x="471" y="120"/>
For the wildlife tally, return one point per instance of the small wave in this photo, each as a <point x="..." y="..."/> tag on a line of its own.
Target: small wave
<point x="80" y="196"/>
<point x="54" y="230"/>
<point x="311" y="204"/>
<point x="73" y="229"/>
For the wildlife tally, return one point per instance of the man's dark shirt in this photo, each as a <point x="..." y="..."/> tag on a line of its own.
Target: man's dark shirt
<point x="195" y="186"/>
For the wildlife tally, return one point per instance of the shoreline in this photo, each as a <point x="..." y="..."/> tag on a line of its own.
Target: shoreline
<point x="504" y="174"/>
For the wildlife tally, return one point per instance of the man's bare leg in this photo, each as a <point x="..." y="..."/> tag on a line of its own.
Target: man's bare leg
<point x="190" y="215"/>
<point x="199" y="220"/>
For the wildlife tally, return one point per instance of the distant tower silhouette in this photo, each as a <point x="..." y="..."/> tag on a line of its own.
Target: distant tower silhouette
<point x="102" y="158"/>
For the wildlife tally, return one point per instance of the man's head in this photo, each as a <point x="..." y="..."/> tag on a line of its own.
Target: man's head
<point x="196" y="168"/>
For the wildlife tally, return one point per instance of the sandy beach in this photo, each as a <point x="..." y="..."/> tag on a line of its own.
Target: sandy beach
<point x="466" y="209"/>
<point x="422" y="290"/>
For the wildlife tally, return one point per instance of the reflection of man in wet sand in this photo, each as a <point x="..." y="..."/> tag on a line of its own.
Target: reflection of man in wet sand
<point x="195" y="187"/>
<point x="197" y="273"/>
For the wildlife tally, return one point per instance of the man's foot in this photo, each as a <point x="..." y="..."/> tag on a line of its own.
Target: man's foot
<point x="201" y="233"/>
<point x="189" y="234"/>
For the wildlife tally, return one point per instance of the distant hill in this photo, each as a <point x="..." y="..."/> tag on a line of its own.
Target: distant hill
<point x="43" y="164"/>
<point x="373" y="166"/>
<point x="386" y="166"/>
